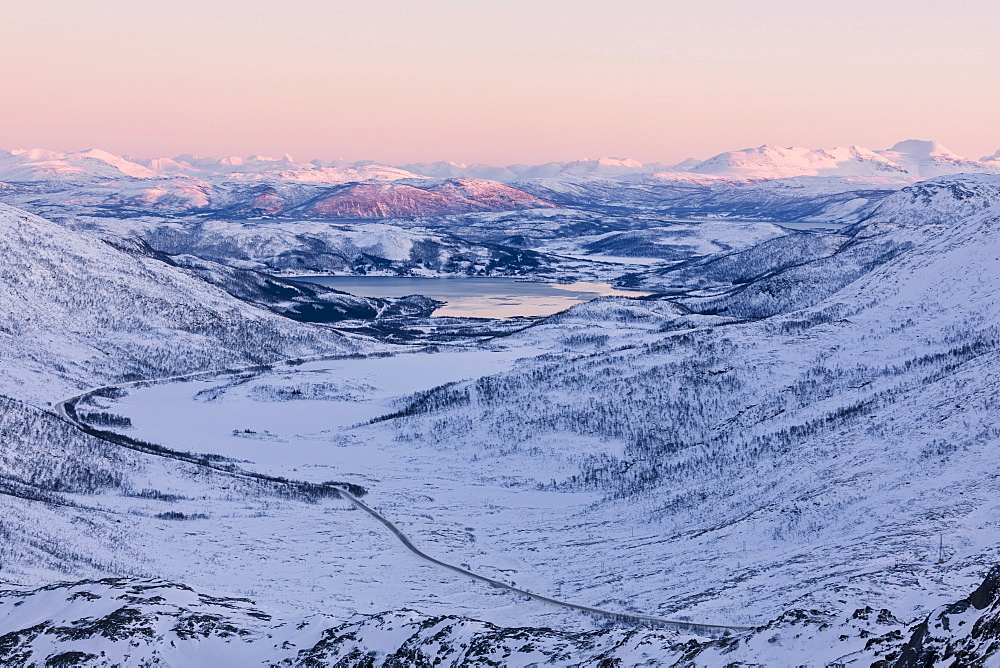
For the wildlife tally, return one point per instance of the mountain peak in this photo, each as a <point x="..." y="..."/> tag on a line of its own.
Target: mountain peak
<point x="921" y="147"/>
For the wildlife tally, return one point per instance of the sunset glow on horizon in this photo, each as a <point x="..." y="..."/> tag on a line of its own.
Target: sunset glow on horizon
<point x="499" y="83"/>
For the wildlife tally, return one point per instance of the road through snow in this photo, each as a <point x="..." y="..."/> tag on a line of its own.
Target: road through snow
<point x="712" y="630"/>
<point x="676" y="625"/>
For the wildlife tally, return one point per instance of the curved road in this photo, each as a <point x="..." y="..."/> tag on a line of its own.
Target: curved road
<point x="713" y="630"/>
<point x="60" y="406"/>
<point x="692" y="627"/>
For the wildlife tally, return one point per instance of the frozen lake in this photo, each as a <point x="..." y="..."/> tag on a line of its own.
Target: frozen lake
<point x="476" y="297"/>
<point x="820" y="227"/>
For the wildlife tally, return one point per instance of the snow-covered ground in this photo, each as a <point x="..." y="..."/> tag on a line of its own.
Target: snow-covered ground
<point x="296" y="423"/>
<point x="805" y="428"/>
<point x="268" y="418"/>
<point x="626" y="455"/>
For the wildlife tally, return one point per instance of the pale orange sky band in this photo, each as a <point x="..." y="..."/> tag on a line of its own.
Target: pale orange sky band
<point x="496" y="82"/>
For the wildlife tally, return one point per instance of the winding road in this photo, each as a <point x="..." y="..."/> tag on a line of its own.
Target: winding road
<point x="676" y="625"/>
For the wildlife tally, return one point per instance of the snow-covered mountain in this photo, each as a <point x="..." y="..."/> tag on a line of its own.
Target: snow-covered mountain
<point x="445" y="169"/>
<point x="259" y="167"/>
<point x="817" y="184"/>
<point x="396" y="200"/>
<point x="774" y="162"/>
<point x="910" y="159"/>
<point x="763" y="419"/>
<point x="906" y="161"/>
<point x="35" y="165"/>
<point x="926" y="159"/>
<point x="254" y="186"/>
<point x="79" y="310"/>
<point x="275" y="196"/>
<point x="80" y="166"/>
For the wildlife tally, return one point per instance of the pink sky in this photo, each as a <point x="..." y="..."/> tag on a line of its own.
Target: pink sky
<point x="497" y="82"/>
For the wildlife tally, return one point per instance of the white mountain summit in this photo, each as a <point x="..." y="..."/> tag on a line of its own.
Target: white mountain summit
<point x="908" y="160"/>
<point x="905" y="162"/>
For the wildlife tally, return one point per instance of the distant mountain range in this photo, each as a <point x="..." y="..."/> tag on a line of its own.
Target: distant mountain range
<point x="275" y="214"/>
<point x="913" y="159"/>
<point x="765" y="183"/>
<point x="906" y="161"/>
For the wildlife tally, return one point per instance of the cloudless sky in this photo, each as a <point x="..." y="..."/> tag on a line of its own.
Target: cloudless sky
<point x="496" y="81"/>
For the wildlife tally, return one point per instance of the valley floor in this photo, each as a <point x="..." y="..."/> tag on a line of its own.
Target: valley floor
<point x="296" y="422"/>
<point x="500" y="515"/>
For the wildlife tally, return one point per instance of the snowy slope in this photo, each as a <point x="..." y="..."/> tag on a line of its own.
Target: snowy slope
<point x="782" y="450"/>
<point x="43" y="165"/>
<point x="305" y="302"/>
<point x="78" y="311"/>
<point x="76" y="506"/>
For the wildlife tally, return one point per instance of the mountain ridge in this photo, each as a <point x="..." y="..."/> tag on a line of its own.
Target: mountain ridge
<point x="912" y="159"/>
<point x="105" y="310"/>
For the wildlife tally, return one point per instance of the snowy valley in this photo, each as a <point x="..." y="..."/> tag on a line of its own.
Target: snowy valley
<point x="780" y="451"/>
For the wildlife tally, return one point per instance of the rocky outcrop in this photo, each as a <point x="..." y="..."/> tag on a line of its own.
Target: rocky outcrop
<point x="157" y="623"/>
<point x="966" y="633"/>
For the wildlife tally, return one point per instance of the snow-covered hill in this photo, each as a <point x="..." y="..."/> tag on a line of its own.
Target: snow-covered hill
<point x="370" y="248"/>
<point x="394" y="200"/>
<point x="809" y="199"/>
<point x="78" y="311"/>
<point x="304" y="302"/>
<point x="906" y="161"/>
<point x="43" y="165"/>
